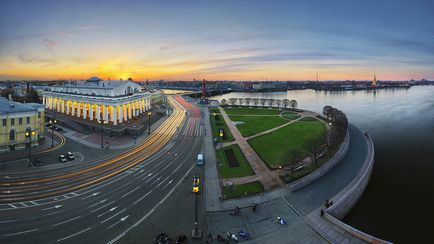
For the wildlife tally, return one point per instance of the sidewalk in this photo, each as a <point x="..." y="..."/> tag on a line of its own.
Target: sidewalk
<point x="268" y="179"/>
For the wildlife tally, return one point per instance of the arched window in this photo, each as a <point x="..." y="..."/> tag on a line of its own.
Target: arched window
<point x="12" y="135"/>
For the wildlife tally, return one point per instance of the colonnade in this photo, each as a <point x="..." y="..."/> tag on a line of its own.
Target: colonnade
<point x="114" y="113"/>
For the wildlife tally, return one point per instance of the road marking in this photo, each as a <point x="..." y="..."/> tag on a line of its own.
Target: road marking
<point x="176" y="169"/>
<point x="102" y="201"/>
<point x="102" y="222"/>
<point x="159" y="184"/>
<point x="54" y="213"/>
<point x="143" y="197"/>
<point x="92" y="195"/>
<point x="66" y="221"/>
<point x="55" y="206"/>
<point x="102" y="207"/>
<point x="110" y="210"/>
<point x="121" y="220"/>
<point x="167" y="184"/>
<point x="22" y="232"/>
<point x="126" y="194"/>
<point x="8" y="221"/>
<point x="152" y="210"/>
<point x="12" y="205"/>
<point x="156" y="180"/>
<point x="73" y="234"/>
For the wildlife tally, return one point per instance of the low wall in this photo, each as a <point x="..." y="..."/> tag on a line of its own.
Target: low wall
<point x="324" y="169"/>
<point x="348" y="197"/>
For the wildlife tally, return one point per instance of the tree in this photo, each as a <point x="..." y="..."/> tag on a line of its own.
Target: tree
<point x="255" y="101"/>
<point x="247" y="100"/>
<point x="316" y="146"/>
<point x="278" y="102"/>
<point x="232" y="101"/>
<point x="293" y="104"/>
<point x="327" y="111"/>
<point x="240" y="101"/>
<point x="223" y="102"/>
<point x="263" y="101"/>
<point x="285" y="103"/>
<point x="270" y="102"/>
<point x="294" y="156"/>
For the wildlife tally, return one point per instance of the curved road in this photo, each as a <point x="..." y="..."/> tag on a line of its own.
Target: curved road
<point x="107" y="210"/>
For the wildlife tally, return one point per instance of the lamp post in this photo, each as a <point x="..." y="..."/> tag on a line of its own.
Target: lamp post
<point x="52" y="122"/>
<point x="29" y="135"/>
<point x="149" y="122"/>
<point x="280" y="170"/>
<point x="102" y="132"/>
<point x="221" y="144"/>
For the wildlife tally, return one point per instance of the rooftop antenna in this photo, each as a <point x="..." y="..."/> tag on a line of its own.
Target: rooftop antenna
<point x="317" y="76"/>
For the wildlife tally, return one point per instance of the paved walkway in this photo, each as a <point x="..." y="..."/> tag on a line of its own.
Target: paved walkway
<point x="268" y="179"/>
<point x="305" y="203"/>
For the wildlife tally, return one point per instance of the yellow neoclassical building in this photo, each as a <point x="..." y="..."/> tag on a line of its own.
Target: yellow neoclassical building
<point x="108" y="101"/>
<point x="20" y="123"/>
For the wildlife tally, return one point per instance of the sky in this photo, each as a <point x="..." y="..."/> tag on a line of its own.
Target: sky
<point x="217" y="40"/>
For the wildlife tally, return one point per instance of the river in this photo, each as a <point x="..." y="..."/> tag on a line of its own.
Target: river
<point x="398" y="204"/>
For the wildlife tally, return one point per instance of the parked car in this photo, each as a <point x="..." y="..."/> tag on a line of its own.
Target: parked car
<point x="62" y="158"/>
<point x="70" y="156"/>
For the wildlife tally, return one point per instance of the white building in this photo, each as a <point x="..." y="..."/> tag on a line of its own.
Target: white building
<point x="110" y="101"/>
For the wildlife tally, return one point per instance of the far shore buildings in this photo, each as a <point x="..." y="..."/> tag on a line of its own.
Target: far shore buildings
<point x="107" y="101"/>
<point x="20" y="123"/>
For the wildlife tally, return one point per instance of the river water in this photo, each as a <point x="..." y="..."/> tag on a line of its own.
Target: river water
<point x="398" y="204"/>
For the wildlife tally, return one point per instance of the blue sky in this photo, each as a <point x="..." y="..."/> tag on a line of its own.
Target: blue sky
<point x="242" y="40"/>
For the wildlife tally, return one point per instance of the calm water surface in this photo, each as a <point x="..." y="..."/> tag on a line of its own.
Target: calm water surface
<point x="398" y="204"/>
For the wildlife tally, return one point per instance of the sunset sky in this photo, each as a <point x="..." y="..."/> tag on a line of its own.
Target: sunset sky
<point x="235" y="40"/>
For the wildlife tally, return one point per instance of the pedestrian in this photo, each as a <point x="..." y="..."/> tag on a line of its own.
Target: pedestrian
<point x="254" y="206"/>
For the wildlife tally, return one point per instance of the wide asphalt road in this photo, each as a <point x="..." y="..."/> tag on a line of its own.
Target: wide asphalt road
<point x="120" y="206"/>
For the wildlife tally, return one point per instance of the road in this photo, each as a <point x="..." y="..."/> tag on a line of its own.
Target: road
<point x="113" y="205"/>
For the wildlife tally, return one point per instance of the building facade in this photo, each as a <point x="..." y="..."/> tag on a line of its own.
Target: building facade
<point x="96" y="100"/>
<point x="20" y="123"/>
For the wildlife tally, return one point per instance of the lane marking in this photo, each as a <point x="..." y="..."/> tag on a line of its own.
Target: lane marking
<point x="128" y="193"/>
<point x="110" y="210"/>
<point x="55" y="206"/>
<point x="102" y="222"/>
<point x="102" y="201"/>
<point x="102" y="207"/>
<point x="121" y="220"/>
<point x="66" y="221"/>
<point x="22" y="232"/>
<point x="8" y="221"/>
<point x="170" y="182"/>
<point x="73" y="234"/>
<point x="92" y="195"/>
<point x="143" y="197"/>
<point x="54" y="213"/>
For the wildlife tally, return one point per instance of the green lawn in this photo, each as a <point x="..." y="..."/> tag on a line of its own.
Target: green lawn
<point x="216" y="125"/>
<point x="308" y="119"/>
<point x="255" y="124"/>
<point x="290" y="115"/>
<point x="273" y="147"/>
<point x="231" y="172"/>
<point x="239" y="190"/>
<point x="252" y="111"/>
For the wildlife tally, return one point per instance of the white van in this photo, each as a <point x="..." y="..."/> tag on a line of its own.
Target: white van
<point x="200" y="160"/>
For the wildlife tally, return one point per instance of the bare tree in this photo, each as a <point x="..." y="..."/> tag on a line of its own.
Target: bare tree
<point x="316" y="146"/>
<point x="294" y="158"/>
<point x="255" y="101"/>
<point x="293" y="104"/>
<point x="263" y="101"/>
<point x="224" y="102"/>
<point x="285" y="103"/>
<point x="278" y="102"/>
<point x="270" y="102"/>
<point x="240" y="101"/>
<point x="232" y="101"/>
<point x="248" y="100"/>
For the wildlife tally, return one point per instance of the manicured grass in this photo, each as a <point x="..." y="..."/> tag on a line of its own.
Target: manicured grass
<point x="232" y="172"/>
<point x="255" y="124"/>
<point x="308" y="119"/>
<point x="290" y="115"/>
<point x="252" y="111"/>
<point x="239" y="190"/>
<point x="273" y="147"/>
<point x="216" y="125"/>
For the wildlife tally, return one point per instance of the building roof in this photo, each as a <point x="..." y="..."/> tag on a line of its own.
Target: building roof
<point x="99" y="84"/>
<point x="7" y="106"/>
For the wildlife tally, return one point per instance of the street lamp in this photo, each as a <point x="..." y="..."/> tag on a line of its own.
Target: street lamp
<point x="29" y="134"/>
<point x="221" y="144"/>
<point x="102" y="132"/>
<point x="149" y="122"/>
<point x="280" y="170"/>
<point x="52" y="122"/>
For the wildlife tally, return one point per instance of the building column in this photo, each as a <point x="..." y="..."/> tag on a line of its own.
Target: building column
<point x="73" y="108"/>
<point x="125" y="112"/>
<point x="62" y="109"/>
<point x="129" y="110"/>
<point x="67" y="107"/>
<point x="58" y="104"/>
<point x="78" y="110"/>
<point x="115" y="112"/>
<point x="84" y="111"/>
<point x="91" y="112"/>
<point x="106" y="114"/>
<point x="98" y="112"/>
<point x="121" y="112"/>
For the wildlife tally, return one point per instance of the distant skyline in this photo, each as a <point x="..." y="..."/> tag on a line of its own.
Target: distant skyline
<point x="217" y="40"/>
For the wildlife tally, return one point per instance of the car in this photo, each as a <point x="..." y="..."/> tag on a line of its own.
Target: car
<point x="196" y="179"/>
<point x="37" y="162"/>
<point x="48" y="124"/>
<point x="70" y="156"/>
<point x="58" y="129"/>
<point x="196" y="182"/>
<point x="162" y="238"/>
<point x="62" y="158"/>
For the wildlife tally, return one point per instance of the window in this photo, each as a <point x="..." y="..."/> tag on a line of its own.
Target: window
<point x="20" y="121"/>
<point x="12" y="135"/>
<point x="39" y="114"/>
<point x="28" y="120"/>
<point x="12" y="121"/>
<point x="4" y="122"/>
